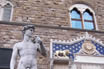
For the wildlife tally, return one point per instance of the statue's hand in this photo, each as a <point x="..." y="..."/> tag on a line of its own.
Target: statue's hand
<point x="38" y="40"/>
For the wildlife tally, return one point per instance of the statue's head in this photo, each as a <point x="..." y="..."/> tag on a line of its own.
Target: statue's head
<point x="28" y="29"/>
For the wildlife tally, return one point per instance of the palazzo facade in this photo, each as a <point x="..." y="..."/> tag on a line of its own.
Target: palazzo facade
<point x="71" y="30"/>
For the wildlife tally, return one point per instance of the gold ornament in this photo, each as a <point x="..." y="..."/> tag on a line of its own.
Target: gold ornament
<point x="88" y="47"/>
<point x="60" y="53"/>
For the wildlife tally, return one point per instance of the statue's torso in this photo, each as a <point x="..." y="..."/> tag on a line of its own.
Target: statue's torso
<point x="27" y="52"/>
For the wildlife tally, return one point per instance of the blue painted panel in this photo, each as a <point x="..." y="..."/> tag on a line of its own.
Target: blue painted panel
<point x="73" y="48"/>
<point x="99" y="47"/>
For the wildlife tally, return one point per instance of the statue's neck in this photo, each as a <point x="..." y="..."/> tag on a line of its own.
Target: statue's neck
<point x="26" y="38"/>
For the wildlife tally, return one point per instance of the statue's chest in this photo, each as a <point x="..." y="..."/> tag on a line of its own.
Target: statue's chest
<point x="28" y="46"/>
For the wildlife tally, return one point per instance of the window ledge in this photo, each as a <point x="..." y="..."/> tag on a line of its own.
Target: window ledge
<point x="48" y="26"/>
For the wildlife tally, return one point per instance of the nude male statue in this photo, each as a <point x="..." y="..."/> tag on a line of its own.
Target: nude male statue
<point x="27" y="50"/>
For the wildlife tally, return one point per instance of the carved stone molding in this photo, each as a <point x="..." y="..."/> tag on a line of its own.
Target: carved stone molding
<point x="88" y="47"/>
<point x="3" y="2"/>
<point x="81" y="8"/>
<point x="85" y="36"/>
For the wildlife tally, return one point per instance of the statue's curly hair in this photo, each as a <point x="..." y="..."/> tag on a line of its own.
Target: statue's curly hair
<point x="26" y="27"/>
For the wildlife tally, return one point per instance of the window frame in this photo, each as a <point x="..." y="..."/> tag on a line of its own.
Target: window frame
<point x="75" y="19"/>
<point x="82" y="8"/>
<point x="93" y="21"/>
<point x="2" y="5"/>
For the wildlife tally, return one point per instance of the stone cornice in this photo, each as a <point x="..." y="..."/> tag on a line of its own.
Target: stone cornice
<point x="48" y="26"/>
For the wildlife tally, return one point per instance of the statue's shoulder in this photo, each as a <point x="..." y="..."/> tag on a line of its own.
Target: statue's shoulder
<point x="17" y="45"/>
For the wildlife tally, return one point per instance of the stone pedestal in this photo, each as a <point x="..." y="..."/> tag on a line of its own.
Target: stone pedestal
<point x="61" y="63"/>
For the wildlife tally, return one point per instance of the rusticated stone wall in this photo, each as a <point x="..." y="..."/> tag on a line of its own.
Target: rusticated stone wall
<point x="10" y="34"/>
<point x="53" y="12"/>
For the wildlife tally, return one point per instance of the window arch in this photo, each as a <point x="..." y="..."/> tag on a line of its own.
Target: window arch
<point x="87" y="17"/>
<point x="6" y="10"/>
<point x="88" y="20"/>
<point x="76" y="18"/>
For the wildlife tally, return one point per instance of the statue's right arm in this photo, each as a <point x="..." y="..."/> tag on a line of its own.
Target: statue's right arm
<point x="14" y="57"/>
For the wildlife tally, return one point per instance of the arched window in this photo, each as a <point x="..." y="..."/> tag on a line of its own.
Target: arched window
<point x="88" y="20"/>
<point x="76" y="18"/>
<point x="82" y="17"/>
<point x="6" y="9"/>
<point x="7" y="12"/>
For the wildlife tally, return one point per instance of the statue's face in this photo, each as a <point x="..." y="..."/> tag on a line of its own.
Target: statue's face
<point x="29" y="32"/>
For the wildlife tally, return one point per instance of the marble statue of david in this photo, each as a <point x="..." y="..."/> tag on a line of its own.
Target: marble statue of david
<point x="27" y="50"/>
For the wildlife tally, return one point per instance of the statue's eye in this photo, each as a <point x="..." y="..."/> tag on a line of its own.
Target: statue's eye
<point x="31" y="29"/>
